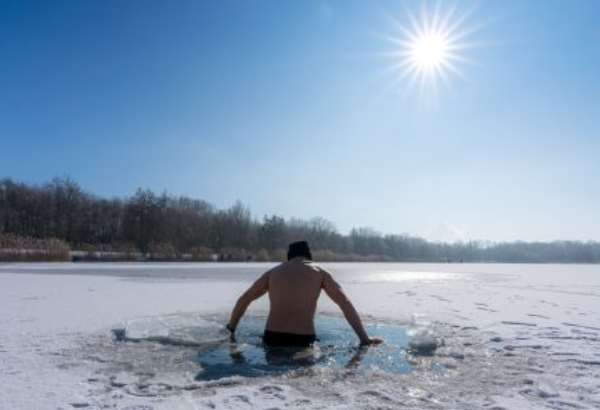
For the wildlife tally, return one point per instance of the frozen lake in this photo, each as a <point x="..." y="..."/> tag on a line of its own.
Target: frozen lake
<point x="510" y="337"/>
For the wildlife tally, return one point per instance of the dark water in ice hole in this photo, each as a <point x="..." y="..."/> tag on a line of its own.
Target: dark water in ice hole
<point x="337" y="347"/>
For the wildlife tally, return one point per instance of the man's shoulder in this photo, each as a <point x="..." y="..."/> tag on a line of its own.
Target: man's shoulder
<point x="316" y="267"/>
<point x="293" y="265"/>
<point x="276" y="268"/>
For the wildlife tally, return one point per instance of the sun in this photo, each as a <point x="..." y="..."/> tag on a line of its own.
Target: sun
<point x="430" y="48"/>
<point x="429" y="51"/>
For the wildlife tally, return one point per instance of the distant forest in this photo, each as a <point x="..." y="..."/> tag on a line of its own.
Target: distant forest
<point x="61" y="215"/>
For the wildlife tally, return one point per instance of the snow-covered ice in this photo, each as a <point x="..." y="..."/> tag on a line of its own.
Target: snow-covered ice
<point x="481" y="336"/>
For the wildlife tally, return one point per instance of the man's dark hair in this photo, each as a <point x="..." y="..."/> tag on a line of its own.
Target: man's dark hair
<point x="299" y="248"/>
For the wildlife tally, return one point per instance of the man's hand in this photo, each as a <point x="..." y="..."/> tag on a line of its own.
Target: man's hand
<point x="371" y="341"/>
<point x="231" y="332"/>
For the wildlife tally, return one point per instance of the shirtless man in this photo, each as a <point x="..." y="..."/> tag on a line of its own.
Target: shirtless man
<point x="294" y="287"/>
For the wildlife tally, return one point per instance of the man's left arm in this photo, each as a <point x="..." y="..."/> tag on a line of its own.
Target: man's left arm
<point x="258" y="288"/>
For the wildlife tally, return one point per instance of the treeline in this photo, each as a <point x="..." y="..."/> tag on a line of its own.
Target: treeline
<point x="18" y="248"/>
<point x="161" y="226"/>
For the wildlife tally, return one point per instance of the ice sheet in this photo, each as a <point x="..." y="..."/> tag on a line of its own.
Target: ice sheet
<point x="506" y="337"/>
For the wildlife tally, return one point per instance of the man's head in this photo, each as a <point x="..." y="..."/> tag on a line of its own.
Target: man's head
<point x="299" y="248"/>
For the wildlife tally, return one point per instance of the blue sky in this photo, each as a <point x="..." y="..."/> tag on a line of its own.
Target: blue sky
<point x="291" y="107"/>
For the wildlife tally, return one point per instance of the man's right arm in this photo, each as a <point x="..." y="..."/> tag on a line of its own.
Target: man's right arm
<point x="258" y="288"/>
<point x="335" y="292"/>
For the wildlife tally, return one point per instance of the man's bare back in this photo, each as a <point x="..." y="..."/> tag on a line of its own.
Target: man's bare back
<point x="294" y="288"/>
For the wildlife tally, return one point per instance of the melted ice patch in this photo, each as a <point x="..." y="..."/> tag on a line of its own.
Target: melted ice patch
<point x="336" y="348"/>
<point x="177" y="329"/>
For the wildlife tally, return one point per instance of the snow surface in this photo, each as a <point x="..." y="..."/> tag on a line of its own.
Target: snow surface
<point x="505" y="337"/>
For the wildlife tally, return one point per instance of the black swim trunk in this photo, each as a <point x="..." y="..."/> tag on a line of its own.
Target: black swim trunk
<point x="273" y="339"/>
